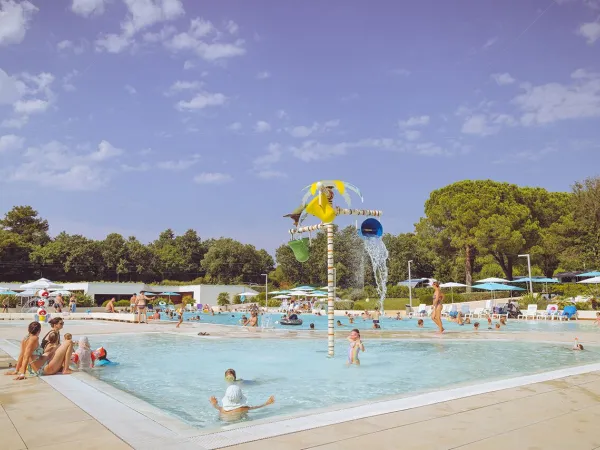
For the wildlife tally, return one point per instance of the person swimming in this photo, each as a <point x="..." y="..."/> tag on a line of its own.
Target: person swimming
<point x="355" y="347"/>
<point x="577" y="345"/>
<point x="102" y="358"/>
<point x="234" y="404"/>
<point x="420" y="323"/>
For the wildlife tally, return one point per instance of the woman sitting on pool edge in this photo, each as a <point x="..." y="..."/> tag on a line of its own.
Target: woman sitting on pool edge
<point x="234" y="404"/>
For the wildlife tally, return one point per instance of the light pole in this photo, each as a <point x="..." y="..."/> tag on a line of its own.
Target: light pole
<point x="528" y="256"/>
<point x="266" y="290"/>
<point x="409" y="284"/>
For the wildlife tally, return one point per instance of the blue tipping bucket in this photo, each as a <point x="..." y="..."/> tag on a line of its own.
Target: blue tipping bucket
<point x="371" y="228"/>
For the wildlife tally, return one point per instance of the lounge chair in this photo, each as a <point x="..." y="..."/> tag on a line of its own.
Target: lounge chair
<point x="465" y="311"/>
<point x="477" y="312"/>
<point x="489" y="309"/>
<point x="422" y="310"/>
<point x="550" y="312"/>
<point x="568" y="313"/>
<point x="531" y="312"/>
<point x="446" y="309"/>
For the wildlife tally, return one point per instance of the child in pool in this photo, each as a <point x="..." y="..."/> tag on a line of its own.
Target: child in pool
<point x="101" y="358"/>
<point x="577" y="345"/>
<point x="83" y="358"/>
<point x="231" y="377"/>
<point x="355" y="347"/>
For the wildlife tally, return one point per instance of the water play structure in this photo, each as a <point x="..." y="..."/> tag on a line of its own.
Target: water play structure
<point x="318" y="201"/>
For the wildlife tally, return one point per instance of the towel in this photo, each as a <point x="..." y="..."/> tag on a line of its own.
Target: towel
<point x="234" y="398"/>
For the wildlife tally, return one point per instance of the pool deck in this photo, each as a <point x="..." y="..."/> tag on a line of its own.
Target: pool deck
<point x="552" y="414"/>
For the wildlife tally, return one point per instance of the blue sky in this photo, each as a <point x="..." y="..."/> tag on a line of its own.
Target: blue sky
<point x="137" y="115"/>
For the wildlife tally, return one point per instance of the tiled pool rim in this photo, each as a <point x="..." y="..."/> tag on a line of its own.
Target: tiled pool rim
<point x="142" y="425"/>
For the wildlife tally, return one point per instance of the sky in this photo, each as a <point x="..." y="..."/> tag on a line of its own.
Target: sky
<point x="134" y="116"/>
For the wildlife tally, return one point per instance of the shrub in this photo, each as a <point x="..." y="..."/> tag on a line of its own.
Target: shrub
<point x="343" y="304"/>
<point x="223" y="299"/>
<point x="83" y="300"/>
<point x="188" y="300"/>
<point x="123" y="303"/>
<point x="11" y="300"/>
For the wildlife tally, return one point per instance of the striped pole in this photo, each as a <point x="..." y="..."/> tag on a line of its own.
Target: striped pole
<point x="330" y="291"/>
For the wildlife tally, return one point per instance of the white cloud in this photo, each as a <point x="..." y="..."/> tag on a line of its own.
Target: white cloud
<point x="87" y="8"/>
<point x="552" y="102"/>
<point x="15" y="18"/>
<point x="273" y="155"/>
<point x="489" y="43"/>
<point x="412" y="135"/>
<point x="590" y="31"/>
<point x="113" y="43"/>
<point x="263" y="75"/>
<point x="235" y="126"/>
<point x="189" y="64"/>
<point x="212" y="178"/>
<point x="478" y="124"/>
<point x="9" y="89"/>
<point x="202" y="100"/>
<point x="201" y="40"/>
<point x="180" y="86"/>
<point x="10" y="142"/>
<point x="105" y="151"/>
<point x="143" y="167"/>
<point x="416" y="121"/>
<point x="68" y="45"/>
<point x="270" y="174"/>
<point x="163" y="34"/>
<point x="262" y="126"/>
<point x="76" y="170"/>
<point x="303" y="131"/>
<point x="141" y="15"/>
<point x="33" y="106"/>
<point x="179" y="165"/>
<point x="67" y="81"/>
<point x="502" y="79"/>
<point x="130" y="89"/>
<point x="281" y="114"/>
<point x="15" y="122"/>
<point x="400" y="72"/>
<point x="232" y="27"/>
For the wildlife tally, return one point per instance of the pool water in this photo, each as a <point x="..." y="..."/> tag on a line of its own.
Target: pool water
<point x="271" y="320"/>
<point x="179" y="373"/>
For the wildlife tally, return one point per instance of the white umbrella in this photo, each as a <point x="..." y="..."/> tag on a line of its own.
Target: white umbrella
<point x="248" y="294"/>
<point x="61" y="292"/>
<point x="299" y="293"/>
<point x="42" y="283"/>
<point x="595" y="280"/>
<point x="29" y="293"/>
<point x="282" y="296"/>
<point x="452" y="285"/>
<point x="492" y="280"/>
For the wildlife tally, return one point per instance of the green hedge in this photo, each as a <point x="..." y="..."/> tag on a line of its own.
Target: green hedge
<point x="11" y="300"/>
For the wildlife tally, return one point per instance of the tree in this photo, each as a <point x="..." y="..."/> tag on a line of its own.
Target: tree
<point x="14" y="257"/>
<point x="223" y="299"/>
<point x="586" y="214"/>
<point x="24" y="221"/>
<point x="114" y="253"/>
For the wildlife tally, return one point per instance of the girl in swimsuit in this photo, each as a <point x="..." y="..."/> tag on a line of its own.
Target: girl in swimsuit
<point x="30" y="348"/>
<point x="355" y="347"/>
<point x="438" y="301"/>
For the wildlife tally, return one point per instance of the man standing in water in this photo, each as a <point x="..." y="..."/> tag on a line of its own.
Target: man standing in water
<point x="376" y="315"/>
<point x="438" y="300"/>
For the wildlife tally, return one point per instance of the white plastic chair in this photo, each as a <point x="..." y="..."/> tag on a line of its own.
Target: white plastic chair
<point x="477" y="312"/>
<point x="531" y="311"/>
<point x="465" y="311"/>
<point x="422" y="309"/>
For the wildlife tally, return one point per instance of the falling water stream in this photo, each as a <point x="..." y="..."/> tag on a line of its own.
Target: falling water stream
<point x="378" y="253"/>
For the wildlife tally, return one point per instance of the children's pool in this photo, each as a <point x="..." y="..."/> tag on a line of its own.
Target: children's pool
<point x="271" y="320"/>
<point x="179" y="373"/>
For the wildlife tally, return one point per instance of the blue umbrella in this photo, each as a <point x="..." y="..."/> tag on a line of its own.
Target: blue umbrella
<point x="535" y="280"/>
<point x="589" y="274"/>
<point x="303" y="288"/>
<point x="8" y="292"/>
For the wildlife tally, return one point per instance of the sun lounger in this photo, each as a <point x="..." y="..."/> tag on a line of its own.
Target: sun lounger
<point x="465" y="311"/>
<point x="550" y="312"/>
<point x="530" y="313"/>
<point x="422" y="310"/>
<point x="477" y="312"/>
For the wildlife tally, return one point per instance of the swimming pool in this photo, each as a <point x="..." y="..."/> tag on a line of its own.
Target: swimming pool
<point x="179" y="373"/>
<point x="320" y="322"/>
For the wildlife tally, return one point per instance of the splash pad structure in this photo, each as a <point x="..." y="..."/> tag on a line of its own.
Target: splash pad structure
<point x="322" y="207"/>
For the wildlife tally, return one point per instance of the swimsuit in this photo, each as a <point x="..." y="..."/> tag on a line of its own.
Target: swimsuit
<point x="353" y="351"/>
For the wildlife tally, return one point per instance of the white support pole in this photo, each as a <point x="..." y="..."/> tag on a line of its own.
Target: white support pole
<point x="330" y="291"/>
<point x="409" y="285"/>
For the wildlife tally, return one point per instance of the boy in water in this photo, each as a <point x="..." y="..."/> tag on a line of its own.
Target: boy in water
<point x="355" y="347"/>
<point x="420" y="323"/>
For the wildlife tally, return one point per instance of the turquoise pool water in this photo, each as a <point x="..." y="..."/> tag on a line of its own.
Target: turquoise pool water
<point x="272" y="320"/>
<point x="179" y="373"/>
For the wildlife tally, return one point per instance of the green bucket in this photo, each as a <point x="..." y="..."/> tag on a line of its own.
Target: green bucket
<point x="300" y="249"/>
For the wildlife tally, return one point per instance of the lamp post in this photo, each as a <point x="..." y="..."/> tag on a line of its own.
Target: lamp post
<point x="409" y="284"/>
<point x="528" y="256"/>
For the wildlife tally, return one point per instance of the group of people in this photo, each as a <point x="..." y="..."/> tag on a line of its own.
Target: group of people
<point x="51" y="356"/>
<point x="137" y="305"/>
<point x="59" y="303"/>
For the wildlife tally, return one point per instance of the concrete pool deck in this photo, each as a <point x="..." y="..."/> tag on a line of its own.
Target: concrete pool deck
<point x="558" y="413"/>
